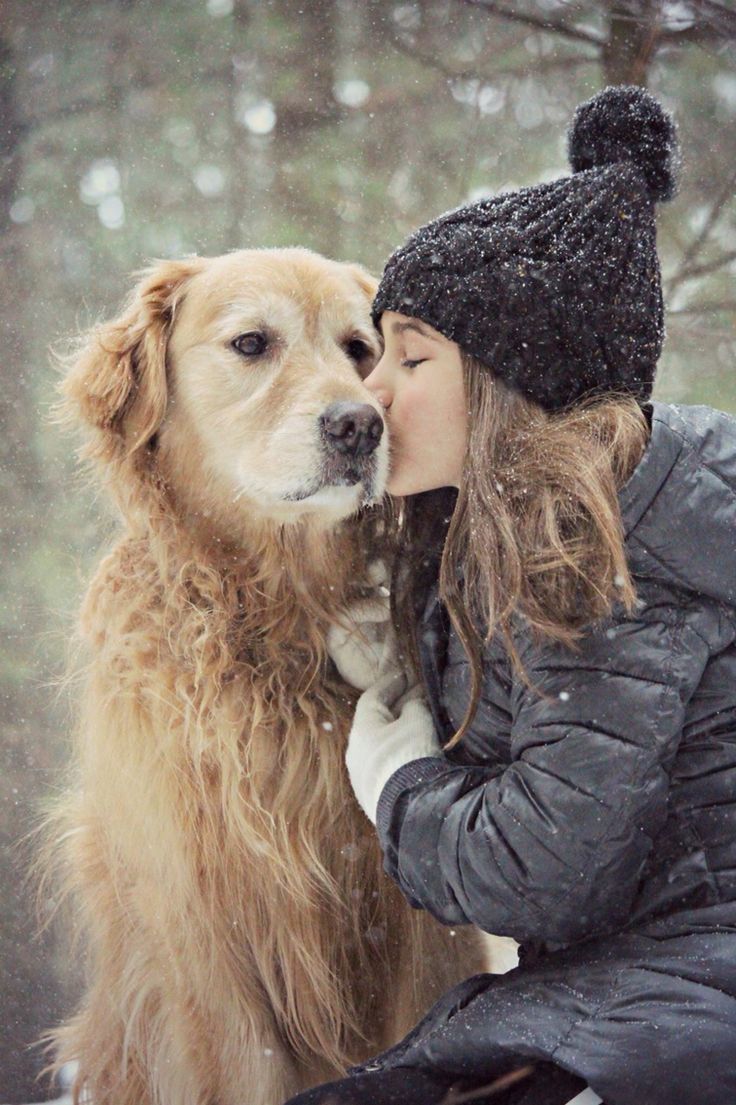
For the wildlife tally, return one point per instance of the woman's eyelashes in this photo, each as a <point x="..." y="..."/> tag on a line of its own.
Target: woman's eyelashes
<point x="408" y="363"/>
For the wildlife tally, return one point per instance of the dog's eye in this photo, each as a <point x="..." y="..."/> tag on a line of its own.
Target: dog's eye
<point x="252" y="344"/>
<point x="357" y="349"/>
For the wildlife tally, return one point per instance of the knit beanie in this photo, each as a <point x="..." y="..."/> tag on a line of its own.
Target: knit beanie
<point x="556" y="287"/>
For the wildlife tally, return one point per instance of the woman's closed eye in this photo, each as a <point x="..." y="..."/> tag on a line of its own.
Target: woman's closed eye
<point x="412" y="363"/>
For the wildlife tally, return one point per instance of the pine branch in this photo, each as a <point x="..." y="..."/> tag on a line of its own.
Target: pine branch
<point x="476" y="72"/>
<point x="713" y="20"/>
<point x="704" y="309"/>
<point x="699" y="241"/>
<point x="710" y="266"/>
<point x="538" y="22"/>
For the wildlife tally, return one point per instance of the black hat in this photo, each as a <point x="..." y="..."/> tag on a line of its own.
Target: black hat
<point x="556" y="288"/>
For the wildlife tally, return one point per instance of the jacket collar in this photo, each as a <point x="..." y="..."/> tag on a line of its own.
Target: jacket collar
<point x="665" y="445"/>
<point x="434" y="631"/>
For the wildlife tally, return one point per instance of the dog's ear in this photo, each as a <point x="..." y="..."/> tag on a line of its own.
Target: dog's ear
<point x="366" y="282"/>
<point x="116" y="380"/>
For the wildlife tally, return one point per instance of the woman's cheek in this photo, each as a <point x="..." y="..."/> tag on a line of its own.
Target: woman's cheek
<point x="415" y="410"/>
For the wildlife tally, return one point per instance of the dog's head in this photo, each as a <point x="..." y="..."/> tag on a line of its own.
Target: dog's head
<point x="237" y="380"/>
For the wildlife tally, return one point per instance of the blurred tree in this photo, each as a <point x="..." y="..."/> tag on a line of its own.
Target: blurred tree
<point x="31" y="994"/>
<point x="633" y="32"/>
<point x="132" y="130"/>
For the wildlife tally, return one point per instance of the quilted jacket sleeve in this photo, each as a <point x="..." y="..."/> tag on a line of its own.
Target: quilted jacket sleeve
<point x="551" y="846"/>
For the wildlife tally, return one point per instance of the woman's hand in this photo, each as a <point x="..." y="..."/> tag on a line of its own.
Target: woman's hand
<point x="356" y="645"/>
<point x="391" y="727"/>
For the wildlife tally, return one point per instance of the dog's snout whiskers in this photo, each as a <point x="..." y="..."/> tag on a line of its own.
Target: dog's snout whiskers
<point x="352" y="428"/>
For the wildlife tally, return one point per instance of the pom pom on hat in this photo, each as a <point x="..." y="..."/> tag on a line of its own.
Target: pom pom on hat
<point x="626" y="123"/>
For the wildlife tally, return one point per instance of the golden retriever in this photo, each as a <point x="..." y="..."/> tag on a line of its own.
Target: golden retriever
<point x="243" y="943"/>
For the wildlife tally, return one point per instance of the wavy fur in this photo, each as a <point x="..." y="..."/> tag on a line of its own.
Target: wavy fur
<point x="242" y="940"/>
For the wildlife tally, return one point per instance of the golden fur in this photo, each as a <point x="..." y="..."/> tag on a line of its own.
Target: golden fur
<point x="242" y="940"/>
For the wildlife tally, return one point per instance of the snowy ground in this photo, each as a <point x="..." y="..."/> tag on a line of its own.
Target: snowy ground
<point x="504" y="954"/>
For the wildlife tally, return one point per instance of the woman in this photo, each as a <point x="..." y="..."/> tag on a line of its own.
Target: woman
<point x="568" y="580"/>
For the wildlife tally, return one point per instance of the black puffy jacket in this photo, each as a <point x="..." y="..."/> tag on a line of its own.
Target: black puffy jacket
<point x="596" y="823"/>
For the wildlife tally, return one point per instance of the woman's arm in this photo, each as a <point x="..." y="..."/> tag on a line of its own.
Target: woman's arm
<point x="552" y="846"/>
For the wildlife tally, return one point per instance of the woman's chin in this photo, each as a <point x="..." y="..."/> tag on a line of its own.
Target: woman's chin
<point x="398" y="487"/>
<point x="401" y="486"/>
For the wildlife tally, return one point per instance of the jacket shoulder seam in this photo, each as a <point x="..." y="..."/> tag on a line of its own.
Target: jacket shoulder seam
<point x="697" y="456"/>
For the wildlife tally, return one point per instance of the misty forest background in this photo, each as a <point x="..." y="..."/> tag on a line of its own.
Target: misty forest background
<point x="134" y="129"/>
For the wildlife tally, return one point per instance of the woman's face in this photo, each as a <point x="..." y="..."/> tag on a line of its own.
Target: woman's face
<point x="419" y="382"/>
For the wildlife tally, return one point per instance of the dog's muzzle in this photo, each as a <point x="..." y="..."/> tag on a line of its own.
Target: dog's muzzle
<point x="350" y="434"/>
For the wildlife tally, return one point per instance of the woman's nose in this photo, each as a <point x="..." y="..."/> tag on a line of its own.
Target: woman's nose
<point x="376" y="383"/>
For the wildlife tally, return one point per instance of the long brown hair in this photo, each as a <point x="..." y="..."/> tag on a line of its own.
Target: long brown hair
<point x="534" y="530"/>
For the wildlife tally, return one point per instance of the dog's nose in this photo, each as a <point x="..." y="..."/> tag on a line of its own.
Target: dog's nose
<point x="354" y="428"/>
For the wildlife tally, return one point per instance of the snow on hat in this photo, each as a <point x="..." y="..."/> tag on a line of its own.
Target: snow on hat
<point x="556" y="287"/>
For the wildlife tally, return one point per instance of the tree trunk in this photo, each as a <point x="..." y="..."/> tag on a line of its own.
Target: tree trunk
<point x="633" y="33"/>
<point x="302" y="193"/>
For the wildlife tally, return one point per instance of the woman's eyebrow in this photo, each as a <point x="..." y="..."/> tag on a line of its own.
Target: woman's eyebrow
<point x="400" y="327"/>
